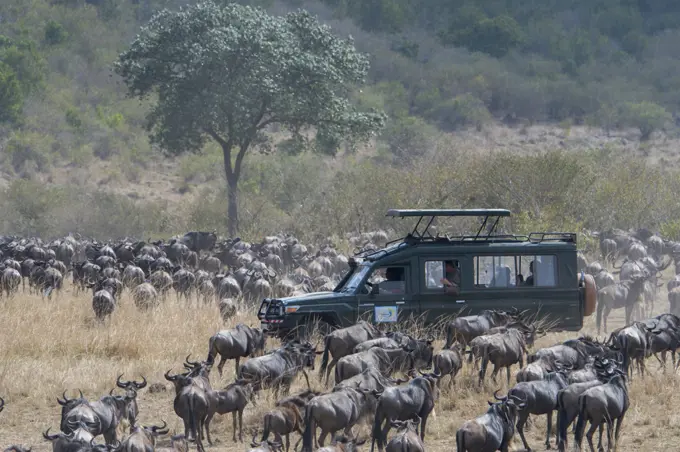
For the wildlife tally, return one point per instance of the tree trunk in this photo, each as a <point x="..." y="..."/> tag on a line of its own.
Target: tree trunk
<point x="232" y="190"/>
<point x="232" y="210"/>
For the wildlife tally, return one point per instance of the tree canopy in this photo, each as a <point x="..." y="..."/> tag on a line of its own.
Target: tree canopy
<point x="227" y="72"/>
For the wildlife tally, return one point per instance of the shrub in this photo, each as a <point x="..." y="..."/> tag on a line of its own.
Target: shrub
<point x="409" y="137"/>
<point x="646" y="116"/>
<point x="463" y="110"/>
<point x="54" y="33"/>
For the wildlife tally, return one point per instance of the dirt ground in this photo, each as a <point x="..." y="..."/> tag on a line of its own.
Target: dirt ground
<point x="47" y="347"/>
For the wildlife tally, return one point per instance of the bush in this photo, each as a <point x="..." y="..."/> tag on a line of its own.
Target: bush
<point x="646" y="116"/>
<point x="461" y="111"/>
<point x="409" y="137"/>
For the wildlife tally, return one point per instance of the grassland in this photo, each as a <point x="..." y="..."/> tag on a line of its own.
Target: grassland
<point x="47" y="347"/>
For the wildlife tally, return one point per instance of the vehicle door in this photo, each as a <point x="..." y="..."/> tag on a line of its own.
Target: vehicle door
<point x="386" y="294"/>
<point x="435" y="301"/>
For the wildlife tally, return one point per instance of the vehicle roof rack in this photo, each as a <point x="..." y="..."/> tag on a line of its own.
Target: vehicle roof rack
<point x="433" y="213"/>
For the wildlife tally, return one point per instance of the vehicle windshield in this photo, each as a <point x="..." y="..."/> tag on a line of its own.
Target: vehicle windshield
<point x="353" y="282"/>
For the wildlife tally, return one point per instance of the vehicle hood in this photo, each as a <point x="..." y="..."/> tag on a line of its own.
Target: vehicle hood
<point x="314" y="297"/>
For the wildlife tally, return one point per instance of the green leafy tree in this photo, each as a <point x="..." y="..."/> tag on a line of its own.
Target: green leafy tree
<point x="226" y="72"/>
<point x="11" y="98"/>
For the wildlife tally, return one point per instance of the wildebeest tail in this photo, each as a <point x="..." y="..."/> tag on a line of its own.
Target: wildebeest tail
<point x="310" y="427"/>
<point x="212" y="350"/>
<point x="324" y="357"/>
<point x="266" y="427"/>
<point x="450" y="332"/>
<point x="581" y="422"/>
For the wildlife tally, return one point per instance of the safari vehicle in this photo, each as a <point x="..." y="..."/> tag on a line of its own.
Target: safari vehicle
<point x="532" y="273"/>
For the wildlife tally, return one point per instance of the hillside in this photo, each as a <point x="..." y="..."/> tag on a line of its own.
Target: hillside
<point x="591" y="81"/>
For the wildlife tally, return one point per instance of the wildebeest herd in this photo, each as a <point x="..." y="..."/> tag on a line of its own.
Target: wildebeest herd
<point x="384" y="379"/>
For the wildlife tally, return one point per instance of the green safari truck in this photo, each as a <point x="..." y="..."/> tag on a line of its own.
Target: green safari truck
<point x="412" y="276"/>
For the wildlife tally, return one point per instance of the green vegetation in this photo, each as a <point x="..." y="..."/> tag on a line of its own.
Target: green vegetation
<point x="436" y="68"/>
<point x="228" y="73"/>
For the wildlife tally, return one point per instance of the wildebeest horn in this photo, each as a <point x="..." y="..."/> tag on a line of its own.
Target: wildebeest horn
<point x="48" y="437"/>
<point x="140" y="385"/>
<point x="170" y="377"/>
<point x="122" y="383"/>
<point x="191" y="363"/>
<point x="111" y="391"/>
<point x="64" y="401"/>
<point x="495" y="396"/>
<point x="160" y="430"/>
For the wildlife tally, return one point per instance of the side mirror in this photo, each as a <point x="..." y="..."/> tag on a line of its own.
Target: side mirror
<point x="375" y="289"/>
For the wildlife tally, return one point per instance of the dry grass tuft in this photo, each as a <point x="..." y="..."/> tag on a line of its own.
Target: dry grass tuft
<point x="47" y="347"/>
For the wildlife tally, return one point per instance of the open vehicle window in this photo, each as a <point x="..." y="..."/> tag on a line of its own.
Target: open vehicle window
<point x="505" y="271"/>
<point x="389" y="280"/>
<point x="434" y="272"/>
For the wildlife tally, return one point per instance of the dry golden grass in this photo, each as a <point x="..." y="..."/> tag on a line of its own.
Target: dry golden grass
<point x="49" y="346"/>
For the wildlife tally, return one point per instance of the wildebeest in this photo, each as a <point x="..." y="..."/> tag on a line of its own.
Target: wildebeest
<point x="145" y="296"/>
<point x="104" y="299"/>
<point x="133" y="387"/>
<point x="633" y="342"/>
<point x="624" y="294"/>
<point x="406" y="439"/>
<point x="491" y="431"/>
<point x="106" y="412"/>
<point x="603" y="404"/>
<point x="198" y="241"/>
<point x="387" y="361"/>
<point x="285" y="419"/>
<point x="227" y="309"/>
<point x="464" y="329"/>
<point x="539" y="397"/>
<point x="341" y="343"/>
<point x="240" y="341"/>
<point x="448" y="362"/>
<point x="501" y="350"/>
<point x="400" y="403"/>
<point x="567" y="398"/>
<point x="2" y="404"/>
<point x="232" y="399"/>
<point x="191" y="402"/>
<point x="338" y="410"/>
<point x="10" y="282"/>
<point x="143" y="439"/>
<point x="279" y="368"/>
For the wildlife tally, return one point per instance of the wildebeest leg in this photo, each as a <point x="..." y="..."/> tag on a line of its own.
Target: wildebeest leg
<point x="610" y="429"/>
<point x="494" y="374"/>
<point x="233" y="417"/>
<point x="221" y="364"/>
<point x="589" y="436"/>
<point x="521" y="420"/>
<point x="207" y="428"/>
<point x="287" y="440"/>
<point x="547" y="434"/>
<point x="507" y="371"/>
<point x="423" y="424"/>
<point x="240" y="425"/>
<point x="629" y="313"/>
<point x="322" y="437"/>
<point x="383" y="435"/>
<point x="619" y="421"/>
<point x="306" y="379"/>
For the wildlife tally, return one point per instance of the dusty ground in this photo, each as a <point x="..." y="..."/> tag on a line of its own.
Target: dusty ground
<point x="49" y="346"/>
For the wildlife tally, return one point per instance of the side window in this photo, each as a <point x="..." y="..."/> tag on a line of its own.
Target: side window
<point x="540" y="271"/>
<point x="389" y="280"/>
<point x="441" y="272"/>
<point x="496" y="271"/>
<point x="434" y="272"/>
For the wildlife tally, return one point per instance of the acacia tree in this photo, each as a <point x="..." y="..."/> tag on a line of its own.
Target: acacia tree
<point x="225" y="72"/>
